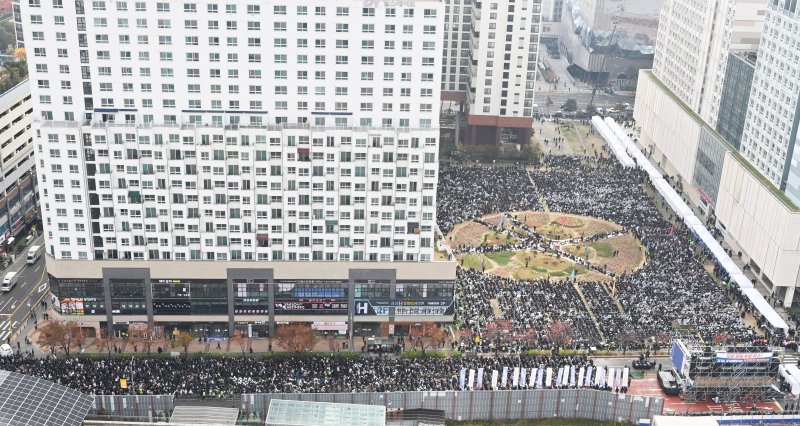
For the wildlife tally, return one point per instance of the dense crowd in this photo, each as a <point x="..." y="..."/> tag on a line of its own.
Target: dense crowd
<point x="474" y="191"/>
<point x="215" y="376"/>
<point x="672" y="286"/>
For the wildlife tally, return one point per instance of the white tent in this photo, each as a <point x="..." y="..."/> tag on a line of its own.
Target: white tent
<point x="613" y="142"/>
<point x="672" y="198"/>
<point x="765" y="308"/>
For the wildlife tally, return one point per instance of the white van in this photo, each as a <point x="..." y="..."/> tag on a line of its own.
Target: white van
<point x="5" y="350"/>
<point x="9" y="281"/>
<point x="34" y="252"/>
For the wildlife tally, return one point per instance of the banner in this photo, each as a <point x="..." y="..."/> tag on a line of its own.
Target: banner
<point x="494" y="379"/>
<point x="532" y="383"/>
<point x="461" y="378"/>
<point x="548" y="381"/>
<point x="522" y="381"/>
<point x="581" y="372"/>
<point x="504" y="380"/>
<point x="743" y="358"/>
<point x="471" y="378"/>
<point x="515" y="377"/>
<point x="480" y="377"/>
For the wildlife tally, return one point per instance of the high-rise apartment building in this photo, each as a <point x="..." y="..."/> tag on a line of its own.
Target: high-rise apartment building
<point x="770" y="130"/>
<point x="692" y="49"/>
<point x="504" y="50"/>
<point x="289" y="145"/>
<point x="739" y="188"/>
<point x="18" y="207"/>
<point x="456" y="49"/>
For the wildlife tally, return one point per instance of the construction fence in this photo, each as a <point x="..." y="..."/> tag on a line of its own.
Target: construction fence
<point x="469" y="405"/>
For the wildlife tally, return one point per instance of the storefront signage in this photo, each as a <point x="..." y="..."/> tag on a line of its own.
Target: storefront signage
<point x="404" y="307"/>
<point x="294" y="306"/>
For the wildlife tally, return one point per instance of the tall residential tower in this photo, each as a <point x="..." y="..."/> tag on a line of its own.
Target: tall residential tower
<point x="237" y="160"/>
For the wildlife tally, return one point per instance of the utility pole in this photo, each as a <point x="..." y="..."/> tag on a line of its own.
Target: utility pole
<point x="603" y="65"/>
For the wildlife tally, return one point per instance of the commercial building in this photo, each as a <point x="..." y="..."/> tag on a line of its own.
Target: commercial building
<point x="212" y="141"/>
<point x="770" y="131"/>
<point x="735" y="95"/>
<point x="18" y="186"/>
<point x="608" y="40"/>
<point x="677" y="106"/>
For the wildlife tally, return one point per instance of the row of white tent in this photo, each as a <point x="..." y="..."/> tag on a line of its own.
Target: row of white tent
<point x="629" y="155"/>
<point x="532" y="378"/>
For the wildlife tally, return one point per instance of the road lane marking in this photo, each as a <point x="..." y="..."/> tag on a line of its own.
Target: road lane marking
<point x="42" y="287"/>
<point x="37" y="268"/>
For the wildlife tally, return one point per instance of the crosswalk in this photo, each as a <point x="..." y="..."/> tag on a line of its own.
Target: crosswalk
<point x="5" y="330"/>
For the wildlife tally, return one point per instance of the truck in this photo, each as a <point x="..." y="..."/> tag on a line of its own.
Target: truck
<point x="34" y="252"/>
<point x="9" y="281"/>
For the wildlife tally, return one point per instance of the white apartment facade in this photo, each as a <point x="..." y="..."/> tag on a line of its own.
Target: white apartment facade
<point x="17" y="166"/>
<point x="692" y="49"/>
<point x="234" y="131"/>
<point x="456" y="49"/>
<point x="502" y="72"/>
<point x="770" y="130"/>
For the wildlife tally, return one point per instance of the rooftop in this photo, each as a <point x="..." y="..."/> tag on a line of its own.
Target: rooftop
<point x="304" y="413"/>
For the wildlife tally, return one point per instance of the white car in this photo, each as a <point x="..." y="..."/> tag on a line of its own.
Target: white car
<point x="5" y="350"/>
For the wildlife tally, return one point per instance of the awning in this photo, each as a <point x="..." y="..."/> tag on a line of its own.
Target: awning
<point x="262" y="237"/>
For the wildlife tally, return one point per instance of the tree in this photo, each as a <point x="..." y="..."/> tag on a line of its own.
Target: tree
<point x="560" y="334"/>
<point x="144" y="333"/>
<point x="626" y="339"/>
<point x="63" y="334"/>
<point x="184" y="339"/>
<point x="571" y="105"/>
<point x="548" y="103"/>
<point x="428" y="335"/>
<point x="498" y="333"/>
<point x="240" y="340"/>
<point x="296" y="337"/>
<point x="106" y="342"/>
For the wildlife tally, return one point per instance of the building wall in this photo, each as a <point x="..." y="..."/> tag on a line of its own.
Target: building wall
<point x="763" y="223"/>
<point x="770" y="133"/>
<point x="455" y="62"/>
<point x="666" y="126"/>
<point x="18" y="179"/>
<point x="735" y="96"/>
<point x="692" y="50"/>
<point x="757" y="217"/>
<point x="747" y="25"/>
<point x="503" y="72"/>
<point x="226" y="131"/>
<point x="115" y="292"/>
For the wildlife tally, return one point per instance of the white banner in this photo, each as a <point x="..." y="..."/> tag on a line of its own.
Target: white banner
<point x="548" y="381"/>
<point x="480" y="377"/>
<point x="504" y="380"/>
<point x="515" y="377"/>
<point x="532" y="383"/>
<point x="494" y="379"/>
<point x="522" y="381"/>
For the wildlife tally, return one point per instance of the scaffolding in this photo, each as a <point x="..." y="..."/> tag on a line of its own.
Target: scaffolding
<point x="727" y="373"/>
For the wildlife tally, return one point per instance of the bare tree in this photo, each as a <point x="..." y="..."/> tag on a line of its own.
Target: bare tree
<point x="296" y="337"/>
<point x="428" y="335"/>
<point x="63" y="334"/>
<point x="184" y="339"/>
<point x="104" y="342"/>
<point x="560" y="334"/>
<point x="240" y="340"/>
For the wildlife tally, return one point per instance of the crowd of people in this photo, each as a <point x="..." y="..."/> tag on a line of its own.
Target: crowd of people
<point x="672" y="287"/>
<point x="225" y="376"/>
<point x="473" y="191"/>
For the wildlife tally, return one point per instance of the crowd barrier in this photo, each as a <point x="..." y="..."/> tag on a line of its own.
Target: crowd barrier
<point x="470" y="405"/>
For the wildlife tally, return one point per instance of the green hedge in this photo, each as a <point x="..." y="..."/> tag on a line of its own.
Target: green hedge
<point x="414" y="353"/>
<point x="128" y="355"/>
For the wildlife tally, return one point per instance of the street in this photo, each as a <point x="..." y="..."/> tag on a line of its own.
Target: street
<point x="29" y="291"/>
<point x="601" y="100"/>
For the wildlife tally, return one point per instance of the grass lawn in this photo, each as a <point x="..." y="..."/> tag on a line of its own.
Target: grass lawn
<point x="501" y="257"/>
<point x="533" y="422"/>
<point x="603" y="249"/>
